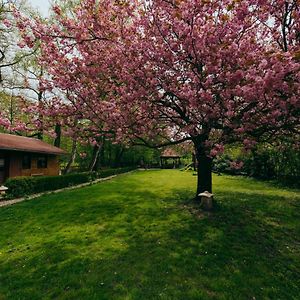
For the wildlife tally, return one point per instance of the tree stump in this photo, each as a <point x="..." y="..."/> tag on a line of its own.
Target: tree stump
<point x="206" y="200"/>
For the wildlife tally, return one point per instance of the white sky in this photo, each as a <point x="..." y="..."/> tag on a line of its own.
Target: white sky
<point x="42" y="5"/>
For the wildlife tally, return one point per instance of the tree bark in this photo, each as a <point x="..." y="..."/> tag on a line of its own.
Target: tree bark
<point x="118" y="157"/>
<point x="102" y="154"/>
<point x="204" y="167"/>
<point x="194" y="161"/>
<point x="95" y="156"/>
<point x="57" y="140"/>
<point x="40" y="134"/>
<point x="72" y="158"/>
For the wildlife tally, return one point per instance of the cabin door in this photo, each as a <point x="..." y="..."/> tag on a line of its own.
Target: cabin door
<point x="3" y="168"/>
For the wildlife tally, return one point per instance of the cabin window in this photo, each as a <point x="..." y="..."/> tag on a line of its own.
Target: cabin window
<point x="26" y="162"/>
<point x="42" y="162"/>
<point x="2" y="164"/>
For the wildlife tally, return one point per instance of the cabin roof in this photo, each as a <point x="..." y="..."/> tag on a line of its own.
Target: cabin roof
<point x="170" y="153"/>
<point x="25" y="144"/>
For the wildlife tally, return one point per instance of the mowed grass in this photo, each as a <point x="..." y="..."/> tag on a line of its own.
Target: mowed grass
<point x="137" y="237"/>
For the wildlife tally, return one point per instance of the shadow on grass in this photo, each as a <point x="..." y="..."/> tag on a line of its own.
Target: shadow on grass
<point x="136" y="244"/>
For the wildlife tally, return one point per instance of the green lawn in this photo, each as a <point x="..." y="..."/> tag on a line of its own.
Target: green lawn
<point x="136" y="237"/>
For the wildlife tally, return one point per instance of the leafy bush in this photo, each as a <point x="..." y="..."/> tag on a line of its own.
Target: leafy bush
<point x="23" y="186"/>
<point x="221" y="164"/>
<point x="225" y="164"/>
<point x="111" y="172"/>
<point x="279" y="162"/>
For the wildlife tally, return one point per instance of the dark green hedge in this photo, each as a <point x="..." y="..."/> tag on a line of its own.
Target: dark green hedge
<point x="24" y="186"/>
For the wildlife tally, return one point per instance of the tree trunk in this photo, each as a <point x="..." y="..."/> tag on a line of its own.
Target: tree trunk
<point x="102" y="154"/>
<point x="109" y="155"/>
<point x="204" y="168"/>
<point x="40" y="134"/>
<point x="194" y="161"/>
<point x="119" y="154"/>
<point x="57" y="140"/>
<point x="72" y="158"/>
<point x="95" y="156"/>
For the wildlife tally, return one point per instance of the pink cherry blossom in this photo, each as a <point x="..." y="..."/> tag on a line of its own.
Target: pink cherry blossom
<point x="212" y="72"/>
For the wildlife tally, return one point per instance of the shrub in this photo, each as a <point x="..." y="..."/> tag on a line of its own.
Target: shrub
<point x="225" y="164"/>
<point x="111" y="172"/>
<point x="24" y="186"/>
<point x="221" y="164"/>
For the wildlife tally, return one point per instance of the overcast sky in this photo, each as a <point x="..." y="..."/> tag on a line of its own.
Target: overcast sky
<point x="42" y="5"/>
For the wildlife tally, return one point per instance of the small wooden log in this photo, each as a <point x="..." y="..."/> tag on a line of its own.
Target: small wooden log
<point x="206" y="200"/>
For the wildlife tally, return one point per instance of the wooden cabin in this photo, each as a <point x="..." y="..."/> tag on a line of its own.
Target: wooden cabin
<point x="23" y="156"/>
<point x="170" y="159"/>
